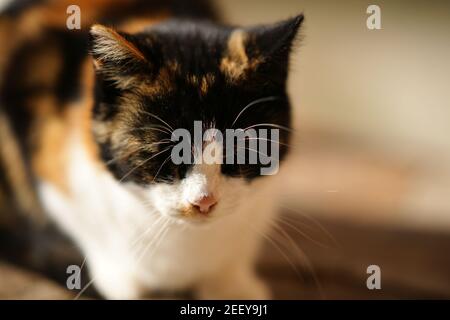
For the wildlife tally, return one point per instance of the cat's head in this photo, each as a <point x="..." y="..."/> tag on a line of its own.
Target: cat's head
<point x="190" y="75"/>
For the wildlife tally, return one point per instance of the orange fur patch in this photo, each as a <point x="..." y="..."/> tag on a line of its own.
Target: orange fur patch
<point x="112" y="44"/>
<point x="50" y="158"/>
<point x="54" y="130"/>
<point x="235" y="64"/>
<point x="203" y="82"/>
<point x="12" y="159"/>
<point x="206" y="82"/>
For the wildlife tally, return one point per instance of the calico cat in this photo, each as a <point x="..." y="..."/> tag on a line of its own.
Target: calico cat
<point x="86" y="118"/>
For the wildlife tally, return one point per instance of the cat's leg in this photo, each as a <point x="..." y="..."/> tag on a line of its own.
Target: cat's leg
<point x="114" y="279"/>
<point x="238" y="281"/>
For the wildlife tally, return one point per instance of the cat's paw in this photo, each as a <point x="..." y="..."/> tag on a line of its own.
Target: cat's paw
<point x="119" y="290"/>
<point x="254" y="290"/>
<point x="250" y="288"/>
<point x="114" y="283"/>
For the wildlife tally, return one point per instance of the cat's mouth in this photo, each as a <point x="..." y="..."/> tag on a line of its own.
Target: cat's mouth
<point x="192" y="212"/>
<point x="192" y="215"/>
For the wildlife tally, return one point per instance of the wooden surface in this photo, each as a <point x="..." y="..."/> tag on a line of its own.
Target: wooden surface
<point x="413" y="264"/>
<point x="17" y="283"/>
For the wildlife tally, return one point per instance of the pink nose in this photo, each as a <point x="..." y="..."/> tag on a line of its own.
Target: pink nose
<point x="205" y="203"/>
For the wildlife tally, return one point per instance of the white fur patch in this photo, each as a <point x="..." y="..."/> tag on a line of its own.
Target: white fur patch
<point x="134" y="239"/>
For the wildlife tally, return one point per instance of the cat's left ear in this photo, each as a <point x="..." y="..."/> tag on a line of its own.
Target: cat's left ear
<point x="117" y="55"/>
<point x="261" y="50"/>
<point x="275" y="41"/>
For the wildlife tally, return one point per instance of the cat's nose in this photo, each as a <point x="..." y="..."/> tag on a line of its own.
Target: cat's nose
<point x="205" y="203"/>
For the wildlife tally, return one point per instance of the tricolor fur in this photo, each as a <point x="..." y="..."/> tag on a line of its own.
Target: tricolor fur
<point x="85" y="123"/>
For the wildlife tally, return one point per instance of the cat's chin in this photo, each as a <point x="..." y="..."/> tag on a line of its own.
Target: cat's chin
<point x="194" y="221"/>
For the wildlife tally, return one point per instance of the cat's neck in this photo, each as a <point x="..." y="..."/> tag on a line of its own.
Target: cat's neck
<point x="73" y="123"/>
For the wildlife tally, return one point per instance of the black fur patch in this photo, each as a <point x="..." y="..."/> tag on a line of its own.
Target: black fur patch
<point x="180" y="56"/>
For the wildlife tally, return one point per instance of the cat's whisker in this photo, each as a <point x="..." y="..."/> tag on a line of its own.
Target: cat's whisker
<point x="87" y="285"/>
<point x="83" y="263"/>
<point x="121" y="156"/>
<point x="160" y="240"/>
<point x="158" y="118"/>
<point x="276" y="227"/>
<point x="159" y="128"/>
<point x="311" y="219"/>
<point x="295" y="219"/>
<point x="143" y="162"/>
<point x="140" y="251"/>
<point x="274" y="243"/>
<point x="142" y="147"/>
<point x="255" y="102"/>
<point x="167" y="159"/>
<point x="145" y="232"/>
<point x="300" y="232"/>
<point x="166" y="222"/>
<point x="273" y="125"/>
<point x="254" y="150"/>
<point x="270" y="140"/>
<point x="300" y="253"/>
<point x="84" y="289"/>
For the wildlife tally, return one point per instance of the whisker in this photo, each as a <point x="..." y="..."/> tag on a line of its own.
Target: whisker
<point x="300" y="254"/>
<point x="149" y="128"/>
<point x="275" y="245"/>
<point x="146" y="231"/>
<point x="140" y="252"/>
<point x="143" y="147"/>
<point x="158" y="118"/>
<point x="270" y="140"/>
<point x="160" y="240"/>
<point x="279" y="249"/>
<point x="311" y="219"/>
<point x="251" y="149"/>
<point x="154" y="240"/>
<point x="161" y="168"/>
<point x="300" y="232"/>
<point x="84" y="289"/>
<point x="273" y="125"/>
<point x="144" y="162"/>
<point x="255" y="102"/>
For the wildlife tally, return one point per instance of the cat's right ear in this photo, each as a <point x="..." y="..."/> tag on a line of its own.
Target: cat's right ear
<point x="116" y="55"/>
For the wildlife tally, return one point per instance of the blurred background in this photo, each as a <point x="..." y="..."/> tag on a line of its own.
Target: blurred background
<point x="368" y="179"/>
<point x="371" y="159"/>
<point x="372" y="107"/>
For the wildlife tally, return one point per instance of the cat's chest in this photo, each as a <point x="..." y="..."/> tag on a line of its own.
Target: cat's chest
<point x="102" y="216"/>
<point x="92" y="208"/>
<point x="117" y="232"/>
<point x="113" y="229"/>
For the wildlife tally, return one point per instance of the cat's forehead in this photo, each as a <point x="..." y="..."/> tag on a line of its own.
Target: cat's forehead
<point x="177" y="74"/>
<point x="200" y="51"/>
<point x="169" y="55"/>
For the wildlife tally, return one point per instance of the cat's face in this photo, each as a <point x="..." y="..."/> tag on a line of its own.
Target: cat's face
<point x="184" y="75"/>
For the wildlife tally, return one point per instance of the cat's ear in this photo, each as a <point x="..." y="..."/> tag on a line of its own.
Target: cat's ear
<point x="262" y="51"/>
<point x="275" y="41"/>
<point x="116" y="54"/>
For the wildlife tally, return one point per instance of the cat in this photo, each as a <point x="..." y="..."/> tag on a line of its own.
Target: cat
<point x="86" y="118"/>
